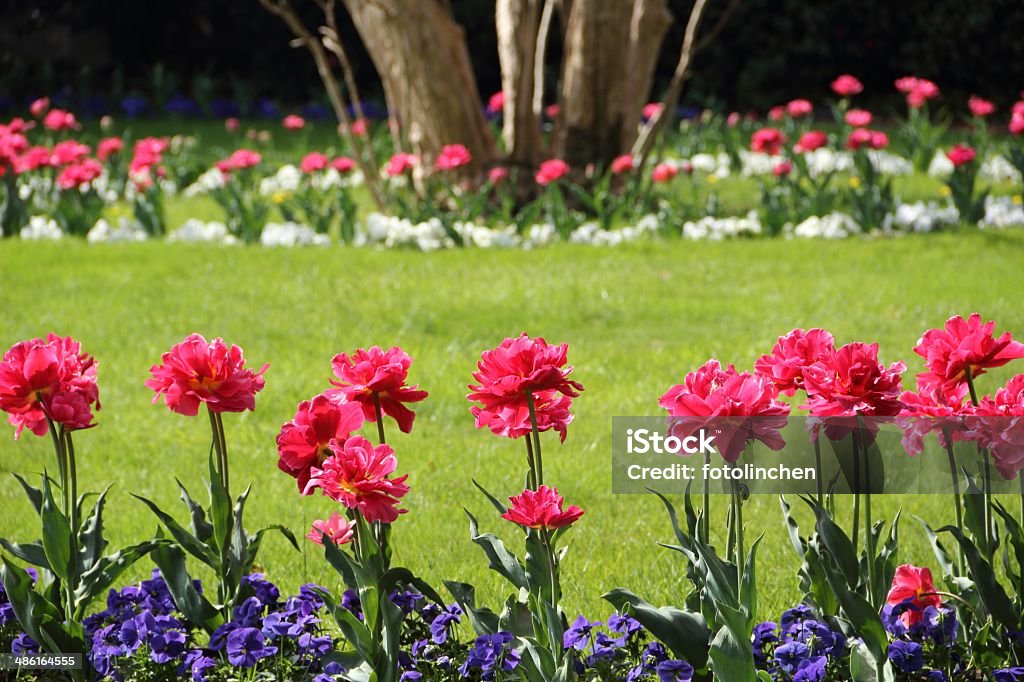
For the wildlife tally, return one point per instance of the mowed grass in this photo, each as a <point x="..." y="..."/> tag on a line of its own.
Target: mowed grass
<point x="637" y="318"/>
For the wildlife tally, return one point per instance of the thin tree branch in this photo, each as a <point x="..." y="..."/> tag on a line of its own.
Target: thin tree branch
<point x="538" y="60"/>
<point x="284" y="10"/>
<point x="652" y="129"/>
<point x="710" y="36"/>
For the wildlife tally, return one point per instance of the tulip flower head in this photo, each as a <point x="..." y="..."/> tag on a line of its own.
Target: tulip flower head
<point x="541" y="509"/>
<point x="196" y="372"/>
<point x="372" y="376"/>
<point x="48" y="378"/>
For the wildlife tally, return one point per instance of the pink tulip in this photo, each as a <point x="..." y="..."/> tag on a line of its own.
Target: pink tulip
<point x="313" y="162"/>
<point x="541" y="509"/>
<point x="997" y="424"/>
<point x="357" y="475"/>
<point x="847" y="86"/>
<point x="337" y="529"/>
<point x="961" y="346"/>
<point x="58" y="120"/>
<point x="293" y="122"/>
<point x="303" y="442"/>
<point x="767" y="141"/>
<point x="852" y="382"/>
<point x="343" y="164"/>
<point x="622" y="164"/>
<point x="782" y="169"/>
<point x="373" y="375"/>
<point x="915" y="586"/>
<point x="232" y="124"/>
<point x="811" y="140"/>
<point x="497" y="175"/>
<point x="792" y="354"/>
<point x="48" y="378"/>
<point x="650" y="110"/>
<point x="496" y="103"/>
<point x="452" y="156"/>
<point x="196" y="372"/>
<point x="68" y="152"/>
<point x="401" y="163"/>
<point x="740" y="407"/>
<point x="979" y="107"/>
<point x="960" y="155"/>
<point x="109" y="146"/>
<point x="664" y="172"/>
<point x="551" y="170"/>
<point x="79" y="173"/>
<point x="510" y="374"/>
<point x="799" y="108"/>
<point x="39" y="107"/>
<point x="858" y="118"/>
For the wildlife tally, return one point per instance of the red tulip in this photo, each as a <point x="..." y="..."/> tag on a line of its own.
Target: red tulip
<point x="664" y="172"/>
<point x="371" y="375"/>
<point x="622" y="164"/>
<point x="792" y="354"/>
<point x="356" y="474"/>
<point x="510" y="374"/>
<point x="963" y="345"/>
<point x="811" y="140"/>
<point x="48" y="378"/>
<point x="293" y="122"/>
<point x="858" y="118"/>
<point x="852" y="382"/>
<point x="847" y="86"/>
<point x="303" y="442"/>
<point x="337" y="529"/>
<point x="998" y="424"/>
<point x="400" y="164"/>
<point x="551" y="170"/>
<point x="913" y="585"/>
<point x="541" y="509"/>
<point x="961" y="155"/>
<point x="799" y="108"/>
<point x="196" y="372"/>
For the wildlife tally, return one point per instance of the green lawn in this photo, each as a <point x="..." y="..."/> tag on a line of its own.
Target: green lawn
<point x="637" y="319"/>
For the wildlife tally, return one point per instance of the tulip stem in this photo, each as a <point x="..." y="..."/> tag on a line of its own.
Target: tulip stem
<point x="536" y="439"/>
<point x="958" y="502"/>
<point x="817" y="470"/>
<point x="380" y="417"/>
<point x="706" y="521"/>
<point x="531" y="479"/>
<point x="737" y="519"/>
<point x="69" y="449"/>
<point x="969" y="378"/>
<point x="221" y="446"/>
<point x="856" y="491"/>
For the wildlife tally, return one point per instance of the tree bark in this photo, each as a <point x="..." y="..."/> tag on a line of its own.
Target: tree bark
<point x="517" y="23"/>
<point x="420" y="54"/>
<point x="611" y="49"/>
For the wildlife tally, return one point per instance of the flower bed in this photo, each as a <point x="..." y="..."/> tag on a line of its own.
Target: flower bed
<point x="865" y="616"/>
<point x="814" y="178"/>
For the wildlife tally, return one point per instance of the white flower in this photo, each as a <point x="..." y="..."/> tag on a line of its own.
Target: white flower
<point x="540" y="234"/>
<point x="41" y="227"/>
<point x="924" y="217"/>
<point x="999" y="169"/>
<point x="292" y="234"/>
<point x="835" y="225"/>
<point x="126" y="231"/>
<point x="286" y="179"/>
<point x="198" y="231"/>
<point x="209" y="181"/>
<point x="940" y="166"/>
<point x="1002" y="212"/>
<point x="716" y="229"/>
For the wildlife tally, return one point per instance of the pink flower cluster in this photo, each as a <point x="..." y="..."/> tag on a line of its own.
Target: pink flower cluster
<point x="320" y="448"/>
<point x="918" y="90"/>
<point x="240" y="159"/>
<point x="519" y="370"/>
<point x="48" y="379"/>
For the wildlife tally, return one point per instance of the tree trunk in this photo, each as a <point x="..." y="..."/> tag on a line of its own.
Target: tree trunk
<point x="420" y="54"/>
<point x="517" y="22"/>
<point x="611" y="49"/>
